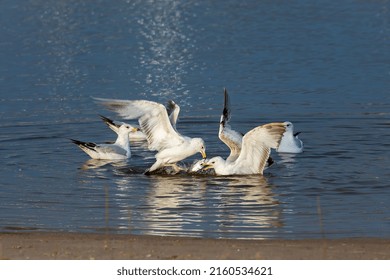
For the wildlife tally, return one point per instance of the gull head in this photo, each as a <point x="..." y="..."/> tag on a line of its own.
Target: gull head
<point x="126" y="128"/>
<point x="212" y="163"/>
<point x="290" y="129"/>
<point x="199" y="146"/>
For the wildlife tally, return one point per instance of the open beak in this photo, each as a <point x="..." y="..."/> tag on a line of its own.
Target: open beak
<point x="203" y="152"/>
<point x="206" y="166"/>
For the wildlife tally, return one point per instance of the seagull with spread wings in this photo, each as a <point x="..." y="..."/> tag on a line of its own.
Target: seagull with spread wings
<point x="162" y="137"/>
<point x="249" y="153"/>
<point x="255" y="150"/>
<point x="227" y="135"/>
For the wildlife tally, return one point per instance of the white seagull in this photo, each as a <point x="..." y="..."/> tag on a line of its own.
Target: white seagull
<point x="230" y="137"/>
<point x="255" y="151"/>
<point x="290" y="142"/>
<point x="135" y="135"/>
<point x="117" y="151"/>
<point x="160" y="134"/>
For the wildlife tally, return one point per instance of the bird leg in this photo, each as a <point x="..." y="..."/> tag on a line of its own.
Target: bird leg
<point x="176" y="168"/>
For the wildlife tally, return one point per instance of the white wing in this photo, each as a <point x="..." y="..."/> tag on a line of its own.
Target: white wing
<point x="230" y="137"/>
<point x="110" y="149"/>
<point x="256" y="147"/>
<point x="153" y="120"/>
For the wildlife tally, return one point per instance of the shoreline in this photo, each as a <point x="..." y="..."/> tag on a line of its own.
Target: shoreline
<point x="91" y="246"/>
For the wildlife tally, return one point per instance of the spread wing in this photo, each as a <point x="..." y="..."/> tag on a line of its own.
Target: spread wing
<point x="257" y="144"/>
<point x="230" y="137"/>
<point x="153" y="120"/>
<point x="173" y="111"/>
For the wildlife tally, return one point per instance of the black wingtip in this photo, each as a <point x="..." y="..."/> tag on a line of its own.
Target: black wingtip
<point x="171" y="103"/>
<point x="297" y="133"/>
<point x="108" y="121"/>
<point x="105" y="119"/>
<point x="170" y="106"/>
<point x="226" y="108"/>
<point x="225" y="99"/>
<point x="88" y="145"/>
<point x="77" y="142"/>
<point x="270" y="161"/>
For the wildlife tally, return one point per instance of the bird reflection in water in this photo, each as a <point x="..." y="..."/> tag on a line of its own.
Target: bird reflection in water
<point x="248" y="206"/>
<point x="199" y="205"/>
<point x="98" y="163"/>
<point x="189" y="205"/>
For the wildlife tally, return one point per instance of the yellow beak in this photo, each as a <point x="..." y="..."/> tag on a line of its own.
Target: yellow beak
<point x="207" y="166"/>
<point x="203" y="152"/>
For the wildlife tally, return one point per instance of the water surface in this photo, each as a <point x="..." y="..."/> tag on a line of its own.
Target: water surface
<point x="323" y="66"/>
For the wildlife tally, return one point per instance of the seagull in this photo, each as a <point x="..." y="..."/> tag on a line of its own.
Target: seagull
<point x="290" y="142"/>
<point x="230" y="137"/>
<point x="162" y="137"/>
<point x="118" y="151"/>
<point x="255" y="150"/>
<point x="135" y="135"/>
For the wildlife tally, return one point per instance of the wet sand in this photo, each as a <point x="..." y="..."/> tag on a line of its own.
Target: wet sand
<point x="76" y="246"/>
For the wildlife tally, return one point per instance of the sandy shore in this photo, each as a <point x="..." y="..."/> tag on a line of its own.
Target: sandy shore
<point x="74" y="246"/>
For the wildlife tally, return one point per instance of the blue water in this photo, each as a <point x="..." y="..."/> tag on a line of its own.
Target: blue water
<point x="323" y="65"/>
